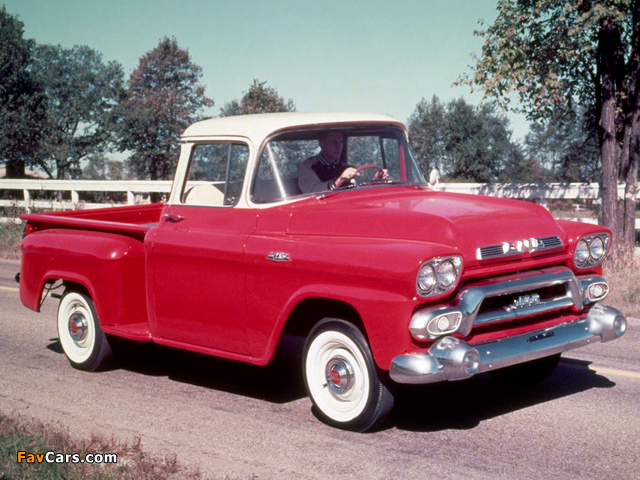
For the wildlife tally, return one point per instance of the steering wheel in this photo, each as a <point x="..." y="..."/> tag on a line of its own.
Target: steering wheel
<point x="358" y="181"/>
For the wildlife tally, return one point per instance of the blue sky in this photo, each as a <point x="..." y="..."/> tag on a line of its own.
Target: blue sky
<point x="375" y="56"/>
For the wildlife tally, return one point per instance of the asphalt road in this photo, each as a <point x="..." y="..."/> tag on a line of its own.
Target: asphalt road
<point x="235" y="419"/>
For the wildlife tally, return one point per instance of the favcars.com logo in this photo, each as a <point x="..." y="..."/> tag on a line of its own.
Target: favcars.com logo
<point x="52" y="457"/>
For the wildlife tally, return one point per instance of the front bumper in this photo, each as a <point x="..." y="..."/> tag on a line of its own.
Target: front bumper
<point x="450" y="358"/>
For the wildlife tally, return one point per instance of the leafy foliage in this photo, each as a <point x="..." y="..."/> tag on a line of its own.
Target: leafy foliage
<point x="427" y="134"/>
<point x="553" y="56"/>
<point x="81" y="93"/>
<point x="260" y="98"/>
<point x="164" y="96"/>
<point x="21" y="101"/>
<point x="567" y="146"/>
<point x="463" y="142"/>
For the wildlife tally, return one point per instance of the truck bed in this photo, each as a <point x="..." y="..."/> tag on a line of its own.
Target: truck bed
<point x="134" y="220"/>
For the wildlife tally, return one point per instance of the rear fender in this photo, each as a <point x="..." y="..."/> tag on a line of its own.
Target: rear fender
<point x="109" y="266"/>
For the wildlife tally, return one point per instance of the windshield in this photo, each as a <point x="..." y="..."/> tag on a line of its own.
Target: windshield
<point x="308" y="162"/>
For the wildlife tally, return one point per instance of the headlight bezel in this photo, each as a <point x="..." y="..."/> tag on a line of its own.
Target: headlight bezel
<point x="447" y="271"/>
<point x="597" y="247"/>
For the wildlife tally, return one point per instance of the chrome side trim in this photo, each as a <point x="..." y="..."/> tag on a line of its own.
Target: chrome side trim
<point x="602" y="324"/>
<point x="470" y="299"/>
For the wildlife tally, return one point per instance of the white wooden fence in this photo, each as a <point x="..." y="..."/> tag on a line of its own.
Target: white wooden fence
<point x="23" y="193"/>
<point x="66" y="193"/>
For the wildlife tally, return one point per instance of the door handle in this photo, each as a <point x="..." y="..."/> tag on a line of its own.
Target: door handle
<point x="172" y="217"/>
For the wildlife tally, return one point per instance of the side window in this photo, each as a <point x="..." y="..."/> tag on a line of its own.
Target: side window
<point x="216" y="174"/>
<point x="277" y="174"/>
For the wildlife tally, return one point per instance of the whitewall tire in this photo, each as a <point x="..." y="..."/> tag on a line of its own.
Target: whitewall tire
<point x="341" y="377"/>
<point x="83" y="341"/>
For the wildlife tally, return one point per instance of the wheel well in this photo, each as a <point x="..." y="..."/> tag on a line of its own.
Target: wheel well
<point x="53" y="284"/>
<point x="75" y="287"/>
<point x="310" y="311"/>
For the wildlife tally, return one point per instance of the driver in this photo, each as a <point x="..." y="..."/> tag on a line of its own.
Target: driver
<point x="326" y="171"/>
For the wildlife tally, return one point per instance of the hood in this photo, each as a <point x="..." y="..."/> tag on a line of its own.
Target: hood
<point x="459" y="221"/>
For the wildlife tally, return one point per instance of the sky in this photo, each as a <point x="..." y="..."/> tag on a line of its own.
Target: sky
<point x="376" y="56"/>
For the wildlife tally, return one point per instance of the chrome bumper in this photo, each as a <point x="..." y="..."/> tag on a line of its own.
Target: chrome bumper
<point x="450" y="358"/>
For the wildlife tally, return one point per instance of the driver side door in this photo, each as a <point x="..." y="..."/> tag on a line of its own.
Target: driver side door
<point x="197" y="255"/>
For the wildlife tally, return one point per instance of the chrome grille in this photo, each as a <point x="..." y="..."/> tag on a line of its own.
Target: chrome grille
<point x="550" y="242"/>
<point x="526" y="302"/>
<point x="514" y="248"/>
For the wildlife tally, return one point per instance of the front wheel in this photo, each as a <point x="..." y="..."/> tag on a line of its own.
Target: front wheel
<point x="83" y="341"/>
<point x="341" y="378"/>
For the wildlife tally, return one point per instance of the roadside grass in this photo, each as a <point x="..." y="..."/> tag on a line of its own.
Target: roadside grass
<point x="34" y="437"/>
<point x="10" y="238"/>
<point x="624" y="281"/>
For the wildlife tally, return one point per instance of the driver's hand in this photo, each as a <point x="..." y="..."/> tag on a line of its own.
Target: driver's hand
<point x="383" y="175"/>
<point x="345" y="176"/>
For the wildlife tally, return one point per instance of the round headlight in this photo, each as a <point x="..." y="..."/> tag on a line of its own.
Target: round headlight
<point x="426" y="278"/>
<point x="597" y="248"/>
<point x="438" y="275"/>
<point x="582" y="252"/>
<point x="446" y="274"/>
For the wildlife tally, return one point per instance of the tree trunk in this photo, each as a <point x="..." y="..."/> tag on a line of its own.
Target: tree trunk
<point x="629" y="161"/>
<point x="15" y="169"/>
<point x="610" y="152"/>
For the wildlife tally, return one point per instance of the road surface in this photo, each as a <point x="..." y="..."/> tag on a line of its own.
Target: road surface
<point x="235" y="419"/>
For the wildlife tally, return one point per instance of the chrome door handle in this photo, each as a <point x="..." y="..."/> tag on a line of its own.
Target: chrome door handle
<point x="171" y="216"/>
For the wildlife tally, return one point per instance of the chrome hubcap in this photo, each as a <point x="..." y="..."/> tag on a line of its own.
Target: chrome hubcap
<point x="77" y="327"/>
<point x="339" y="375"/>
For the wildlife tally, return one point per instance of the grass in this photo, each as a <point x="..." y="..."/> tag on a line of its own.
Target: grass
<point x="10" y="238"/>
<point x="624" y="281"/>
<point x="18" y="434"/>
<point x="23" y="435"/>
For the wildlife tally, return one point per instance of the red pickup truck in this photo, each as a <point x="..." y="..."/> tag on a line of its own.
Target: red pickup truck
<point x="390" y="281"/>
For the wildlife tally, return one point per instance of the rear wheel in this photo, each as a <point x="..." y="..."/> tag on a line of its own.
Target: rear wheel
<point x="83" y="341"/>
<point x="341" y="377"/>
<point x="529" y="373"/>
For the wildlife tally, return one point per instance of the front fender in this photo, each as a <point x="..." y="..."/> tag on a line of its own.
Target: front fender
<point x="376" y="277"/>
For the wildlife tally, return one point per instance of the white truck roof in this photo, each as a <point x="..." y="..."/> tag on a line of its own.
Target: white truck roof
<point x="258" y="126"/>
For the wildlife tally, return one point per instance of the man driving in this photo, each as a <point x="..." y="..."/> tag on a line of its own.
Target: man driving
<point x="326" y="171"/>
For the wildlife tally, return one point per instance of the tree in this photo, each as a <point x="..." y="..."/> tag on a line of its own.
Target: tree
<point x="464" y="142"/>
<point x="567" y="145"/>
<point x="163" y="97"/>
<point x="100" y="167"/>
<point x="260" y="98"/>
<point x="81" y="93"/>
<point x="552" y="55"/>
<point x="21" y="101"/>
<point x="427" y="135"/>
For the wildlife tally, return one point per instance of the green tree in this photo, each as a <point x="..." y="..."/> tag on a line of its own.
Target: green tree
<point x="478" y="142"/>
<point x="568" y="147"/>
<point x="552" y="55"/>
<point x="22" y="106"/>
<point x="520" y="167"/>
<point x="163" y="97"/>
<point x="465" y="143"/>
<point x="81" y="93"/>
<point x="427" y="134"/>
<point x="260" y="98"/>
